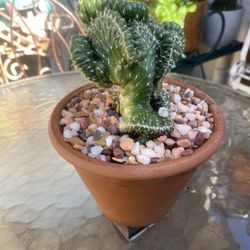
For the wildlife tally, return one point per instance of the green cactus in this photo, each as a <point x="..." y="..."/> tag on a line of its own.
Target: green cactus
<point x="125" y="47"/>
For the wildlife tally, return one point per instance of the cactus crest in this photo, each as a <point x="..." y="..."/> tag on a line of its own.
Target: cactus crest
<point x="123" y="46"/>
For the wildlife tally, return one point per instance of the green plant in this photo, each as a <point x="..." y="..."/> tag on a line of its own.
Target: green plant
<point x="124" y="46"/>
<point x="171" y="10"/>
<point x="224" y="5"/>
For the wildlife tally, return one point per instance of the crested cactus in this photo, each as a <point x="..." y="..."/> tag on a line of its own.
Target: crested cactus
<point x="125" y="47"/>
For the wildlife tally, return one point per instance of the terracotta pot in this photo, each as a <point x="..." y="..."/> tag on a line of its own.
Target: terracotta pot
<point x="136" y="195"/>
<point x="192" y="27"/>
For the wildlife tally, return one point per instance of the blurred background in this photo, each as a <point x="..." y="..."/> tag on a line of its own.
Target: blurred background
<point x="35" y="35"/>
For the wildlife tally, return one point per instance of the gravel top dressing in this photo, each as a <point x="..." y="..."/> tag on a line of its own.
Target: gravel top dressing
<point x="90" y="122"/>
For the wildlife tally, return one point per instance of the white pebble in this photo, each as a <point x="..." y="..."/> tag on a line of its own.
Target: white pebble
<point x="136" y="149"/>
<point x="99" y="112"/>
<point x="150" y="144"/>
<point x="91" y="155"/>
<point x="159" y="150"/>
<point x="143" y="159"/>
<point x="101" y="129"/>
<point x="163" y="112"/>
<point x="109" y="140"/>
<point x="75" y="126"/>
<point x="66" y="113"/>
<point x="171" y="88"/>
<point x="89" y="141"/>
<point x="96" y="150"/>
<point x="202" y="129"/>
<point x="206" y="124"/>
<point x="148" y="152"/>
<point x="190" y="116"/>
<point x="67" y="134"/>
<point x="192" y="108"/>
<point x="177" y="89"/>
<point x="177" y="98"/>
<point x="183" y="128"/>
<point x="74" y="132"/>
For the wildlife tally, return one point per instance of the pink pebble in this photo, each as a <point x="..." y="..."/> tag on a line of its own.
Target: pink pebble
<point x="176" y="134"/>
<point x="191" y="135"/>
<point x="170" y="142"/>
<point x="184" y="143"/>
<point x="176" y="152"/>
<point x="187" y="152"/>
<point x="162" y="138"/>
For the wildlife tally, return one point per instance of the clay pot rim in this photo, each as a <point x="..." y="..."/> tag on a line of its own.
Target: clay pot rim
<point x="138" y="172"/>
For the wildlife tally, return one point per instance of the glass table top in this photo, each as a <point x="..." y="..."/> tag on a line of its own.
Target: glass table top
<point x="45" y="205"/>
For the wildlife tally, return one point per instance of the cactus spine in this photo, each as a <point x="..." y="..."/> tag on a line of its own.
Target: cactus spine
<point x="124" y="46"/>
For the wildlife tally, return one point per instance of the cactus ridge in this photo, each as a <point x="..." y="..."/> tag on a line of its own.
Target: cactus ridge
<point x="124" y="46"/>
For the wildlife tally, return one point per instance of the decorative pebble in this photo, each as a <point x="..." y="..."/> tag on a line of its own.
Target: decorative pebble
<point x="127" y="144"/>
<point x="176" y="152"/>
<point x="187" y="152"/>
<point x="136" y="149"/>
<point x="170" y="142"/>
<point x="109" y="141"/>
<point x="159" y="150"/>
<point x="75" y="126"/>
<point x="118" y="153"/>
<point x="148" y="152"/>
<point x="96" y="150"/>
<point x="93" y="119"/>
<point x="185" y="143"/>
<point x="183" y="128"/>
<point x="177" y="98"/>
<point x="163" y="112"/>
<point x="67" y="134"/>
<point x="190" y="116"/>
<point x="150" y="144"/>
<point x="143" y="159"/>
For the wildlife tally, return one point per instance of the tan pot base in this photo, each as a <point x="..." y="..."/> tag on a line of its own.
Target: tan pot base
<point x="137" y="195"/>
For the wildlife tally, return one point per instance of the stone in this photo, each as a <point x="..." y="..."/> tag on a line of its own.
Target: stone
<point x="76" y="140"/>
<point x="113" y="129"/>
<point x="89" y="140"/>
<point x="119" y="160"/>
<point x="67" y="134"/>
<point x="75" y="126"/>
<point x="150" y="144"/>
<point x="84" y="150"/>
<point x="200" y="139"/>
<point x="92" y="127"/>
<point x="101" y="129"/>
<point x="113" y="120"/>
<point x="162" y="138"/>
<point x="175" y="134"/>
<point x="109" y="140"/>
<point x="127" y="144"/>
<point x="176" y="98"/>
<point x="202" y="129"/>
<point x="193" y="124"/>
<point x="183" y="128"/>
<point x="187" y="152"/>
<point x="84" y="122"/>
<point x="188" y="93"/>
<point x="190" y="116"/>
<point x="163" y="112"/>
<point x="143" y="159"/>
<point x="206" y="124"/>
<point x="77" y="146"/>
<point x="148" y="152"/>
<point x="96" y="150"/>
<point x="136" y="149"/>
<point x="97" y="135"/>
<point x="183" y="108"/>
<point x="159" y="150"/>
<point x="191" y="135"/>
<point x="195" y="100"/>
<point x="118" y="153"/>
<point x="205" y="107"/>
<point x="185" y="143"/>
<point x="176" y="152"/>
<point x="132" y="160"/>
<point x="99" y="112"/>
<point x="170" y="142"/>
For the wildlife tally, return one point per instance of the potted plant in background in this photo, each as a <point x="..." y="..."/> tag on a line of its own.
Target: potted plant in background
<point x="189" y="14"/>
<point x="137" y="139"/>
<point x="227" y="11"/>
